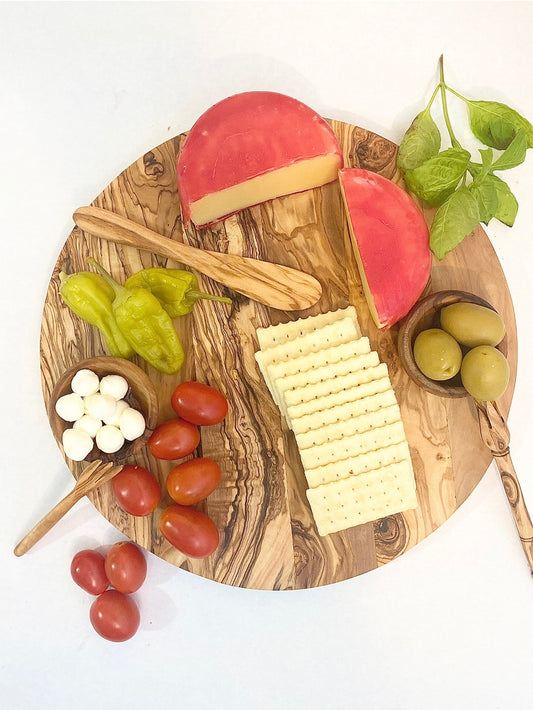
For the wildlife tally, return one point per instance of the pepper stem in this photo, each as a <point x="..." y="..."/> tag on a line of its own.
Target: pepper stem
<point x="117" y="288"/>
<point x="207" y="297"/>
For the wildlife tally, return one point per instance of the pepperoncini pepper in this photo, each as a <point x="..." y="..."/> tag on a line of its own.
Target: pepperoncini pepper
<point x="90" y="297"/>
<point x="176" y="289"/>
<point x="146" y="325"/>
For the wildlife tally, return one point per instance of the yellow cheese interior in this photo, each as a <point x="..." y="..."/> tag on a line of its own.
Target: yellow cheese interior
<point x="362" y="275"/>
<point x="283" y="181"/>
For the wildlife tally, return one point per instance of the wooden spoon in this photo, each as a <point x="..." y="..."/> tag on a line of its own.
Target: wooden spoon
<point x="495" y="434"/>
<point x="272" y="284"/>
<point x="94" y="475"/>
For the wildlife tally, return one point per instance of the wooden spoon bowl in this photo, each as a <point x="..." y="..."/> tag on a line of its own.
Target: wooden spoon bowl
<point x="141" y="395"/>
<point x="425" y="314"/>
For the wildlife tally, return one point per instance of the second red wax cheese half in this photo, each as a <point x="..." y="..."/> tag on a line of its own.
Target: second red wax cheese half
<point x="391" y="243"/>
<point x="250" y="148"/>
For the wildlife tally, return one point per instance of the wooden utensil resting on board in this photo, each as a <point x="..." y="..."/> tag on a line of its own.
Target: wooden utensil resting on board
<point x="93" y="476"/>
<point x="272" y="284"/>
<point x="495" y="434"/>
<point x="261" y="511"/>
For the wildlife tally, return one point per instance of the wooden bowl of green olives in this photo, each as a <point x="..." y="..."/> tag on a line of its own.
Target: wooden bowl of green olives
<point x="436" y="359"/>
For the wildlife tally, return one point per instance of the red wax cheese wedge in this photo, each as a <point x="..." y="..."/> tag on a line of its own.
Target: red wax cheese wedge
<point x="391" y="243"/>
<point x="250" y="148"/>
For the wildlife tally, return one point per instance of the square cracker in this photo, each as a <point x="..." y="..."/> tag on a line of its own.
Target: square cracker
<point x="336" y="333"/>
<point x="283" y="332"/>
<point x="320" y="358"/>
<point x="347" y="427"/>
<point x="336" y="384"/>
<point x="300" y="380"/>
<point x="363" y="498"/>
<point x="356" y="465"/>
<point x="353" y="445"/>
<point x="344" y="411"/>
<point x="303" y="410"/>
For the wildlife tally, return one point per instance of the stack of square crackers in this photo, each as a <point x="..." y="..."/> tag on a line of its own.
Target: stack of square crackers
<point x="338" y="400"/>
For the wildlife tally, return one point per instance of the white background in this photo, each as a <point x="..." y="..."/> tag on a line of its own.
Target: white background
<point x="85" y="90"/>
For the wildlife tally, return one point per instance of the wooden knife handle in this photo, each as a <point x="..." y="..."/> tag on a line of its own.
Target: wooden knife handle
<point x="495" y="433"/>
<point x="272" y="284"/>
<point x="516" y="500"/>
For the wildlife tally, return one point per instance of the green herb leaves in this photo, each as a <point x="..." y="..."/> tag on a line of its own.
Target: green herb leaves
<point x="496" y="124"/>
<point x="466" y="192"/>
<point x="421" y="142"/>
<point x="436" y="179"/>
<point x="454" y="219"/>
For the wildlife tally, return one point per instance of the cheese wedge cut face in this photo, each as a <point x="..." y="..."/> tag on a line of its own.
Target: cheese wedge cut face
<point x="250" y="148"/>
<point x="391" y="243"/>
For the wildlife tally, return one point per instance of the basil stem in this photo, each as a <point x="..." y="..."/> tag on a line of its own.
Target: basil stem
<point x="447" y="121"/>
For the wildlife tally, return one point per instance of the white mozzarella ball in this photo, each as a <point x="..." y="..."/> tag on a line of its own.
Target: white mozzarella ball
<point x="114" y="419"/>
<point x="109" y="439"/>
<point x="132" y="424"/>
<point x="115" y="386"/>
<point x="76" y="444"/>
<point x="85" y="382"/>
<point x="70" y="407"/>
<point x="100" y="406"/>
<point x="88" y="424"/>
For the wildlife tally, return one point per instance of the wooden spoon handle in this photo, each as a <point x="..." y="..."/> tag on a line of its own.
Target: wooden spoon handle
<point x="519" y="509"/>
<point x="93" y="476"/>
<point x="47" y="523"/>
<point x="272" y="284"/>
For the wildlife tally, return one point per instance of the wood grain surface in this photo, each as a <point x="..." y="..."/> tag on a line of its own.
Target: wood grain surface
<point x="268" y="538"/>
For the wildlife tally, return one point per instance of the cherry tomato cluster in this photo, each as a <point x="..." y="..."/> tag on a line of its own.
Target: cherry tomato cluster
<point x="190" y="530"/>
<point x="112" y="579"/>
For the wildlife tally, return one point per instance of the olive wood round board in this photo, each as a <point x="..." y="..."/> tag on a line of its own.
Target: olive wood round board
<point x="268" y="539"/>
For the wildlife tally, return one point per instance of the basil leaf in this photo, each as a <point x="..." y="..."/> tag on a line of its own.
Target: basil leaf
<point x="513" y="155"/>
<point x="496" y="124"/>
<point x="484" y="192"/>
<point x="421" y="142"/>
<point x="507" y="202"/>
<point x="436" y="179"/>
<point x="456" y="218"/>
<point x="487" y="155"/>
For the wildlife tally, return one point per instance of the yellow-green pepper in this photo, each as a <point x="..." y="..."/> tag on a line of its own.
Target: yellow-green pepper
<point x="90" y="297"/>
<point x="146" y="325"/>
<point x="176" y="289"/>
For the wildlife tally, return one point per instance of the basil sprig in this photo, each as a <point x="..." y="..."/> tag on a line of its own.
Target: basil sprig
<point x="465" y="191"/>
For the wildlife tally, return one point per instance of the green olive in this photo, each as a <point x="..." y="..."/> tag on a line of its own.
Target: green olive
<point x="472" y="325"/>
<point x="485" y="373"/>
<point x="437" y="354"/>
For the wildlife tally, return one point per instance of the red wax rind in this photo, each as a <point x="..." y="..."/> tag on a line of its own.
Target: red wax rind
<point x="391" y="243"/>
<point x="247" y="136"/>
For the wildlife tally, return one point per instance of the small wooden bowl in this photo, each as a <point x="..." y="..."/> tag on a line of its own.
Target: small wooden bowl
<point x="426" y="315"/>
<point x="141" y="395"/>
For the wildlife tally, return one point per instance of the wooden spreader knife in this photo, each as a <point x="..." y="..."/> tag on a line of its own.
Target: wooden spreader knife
<point x="271" y="284"/>
<point x="495" y="434"/>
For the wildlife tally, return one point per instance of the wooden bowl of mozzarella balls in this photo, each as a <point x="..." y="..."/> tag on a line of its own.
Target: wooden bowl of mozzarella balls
<point x="103" y="408"/>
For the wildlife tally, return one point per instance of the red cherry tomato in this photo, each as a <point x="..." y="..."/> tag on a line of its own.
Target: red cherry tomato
<point x="125" y="566"/>
<point x="88" y="571"/>
<point x="192" y="481"/>
<point x="190" y="531"/>
<point x="174" y="439"/>
<point x="115" y="616"/>
<point x="136" y="490"/>
<point x="199" y="403"/>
